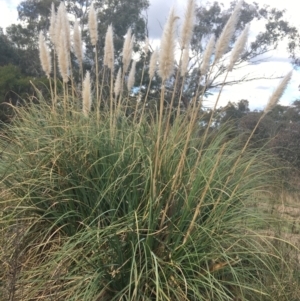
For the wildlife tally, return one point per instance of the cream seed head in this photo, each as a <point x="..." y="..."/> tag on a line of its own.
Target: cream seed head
<point x="153" y="63"/>
<point x="167" y="56"/>
<point x="185" y="61"/>
<point x="109" y="49"/>
<point x="127" y="50"/>
<point x="238" y="48"/>
<point x="117" y="87"/>
<point x="131" y="76"/>
<point x="188" y="25"/>
<point x="45" y="57"/>
<point x="58" y="26"/>
<point x="66" y="28"/>
<point x="86" y="95"/>
<point x="52" y="24"/>
<point x="227" y="33"/>
<point x="93" y="25"/>
<point x="63" y="58"/>
<point x="207" y="55"/>
<point x="278" y="92"/>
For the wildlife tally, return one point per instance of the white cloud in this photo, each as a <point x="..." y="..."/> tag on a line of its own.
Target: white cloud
<point x="8" y="12"/>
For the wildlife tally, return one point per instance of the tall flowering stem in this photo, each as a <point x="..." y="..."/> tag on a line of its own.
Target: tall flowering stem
<point x="93" y="29"/>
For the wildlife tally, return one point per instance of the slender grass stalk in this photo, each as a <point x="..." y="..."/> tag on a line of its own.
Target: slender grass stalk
<point x="207" y="56"/>
<point x="273" y="100"/>
<point x="166" y="67"/>
<point x="183" y="72"/>
<point x="204" y="193"/>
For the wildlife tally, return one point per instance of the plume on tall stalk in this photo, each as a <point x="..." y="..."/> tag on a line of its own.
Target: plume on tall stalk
<point x="126" y="58"/>
<point x="188" y="24"/>
<point x="184" y="41"/>
<point x="52" y="35"/>
<point x="272" y="102"/>
<point x="127" y="50"/>
<point x="45" y="59"/>
<point x="167" y="48"/>
<point x="109" y="61"/>
<point x="93" y="30"/>
<point x="86" y="95"/>
<point x="131" y="76"/>
<point x="63" y="58"/>
<point x="227" y="33"/>
<point x="207" y="55"/>
<point x="77" y="46"/>
<point x="52" y="24"/>
<point x="93" y="25"/>
<point x="238" y="48"/>
<point x="117" y="86"/>
<point x="109" y="57"/>
<point x="146" y="51"/>
<point x="165" y="70"/>
<point x="152" y="70"/>
<point x="221" y="47"/>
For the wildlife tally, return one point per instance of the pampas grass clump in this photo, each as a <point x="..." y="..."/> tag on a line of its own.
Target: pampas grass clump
<point x="116" y="207"/>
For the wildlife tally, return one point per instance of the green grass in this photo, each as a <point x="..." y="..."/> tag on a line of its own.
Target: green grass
<point x="96" y="228"/>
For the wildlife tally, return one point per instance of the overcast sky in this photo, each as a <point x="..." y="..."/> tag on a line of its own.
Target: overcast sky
<point x="257" y="92"/>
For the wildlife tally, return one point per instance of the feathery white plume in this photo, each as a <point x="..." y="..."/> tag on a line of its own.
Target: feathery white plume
<point x="127" y="50"/>
<point x="227" y="33"/>
<point x="117" y="87"/>
<point x="86" y="95"/>
<point x="44" y="55"/>
<point x="109" y="58"/>
<point x="52" y="24"/>
<point x="63" y="59"/>
<point x="185" y="60"/>
<point x="278" y="92"/>
<point x="207" y="55"/>
<point x="131" y="76"/>
<point x="238" y="48"/>
<point x="188" y="24"/>
<point x="93" y="25"/>
<point x="167" y="56"/>
<point x="153" y="63"/>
